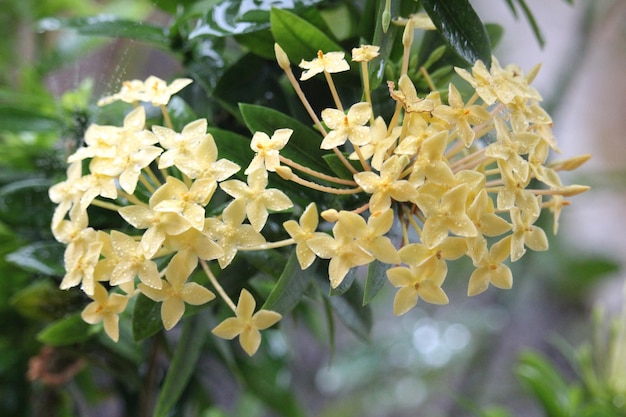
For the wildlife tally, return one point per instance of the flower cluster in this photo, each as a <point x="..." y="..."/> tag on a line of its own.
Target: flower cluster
<point x="443" y="179"/>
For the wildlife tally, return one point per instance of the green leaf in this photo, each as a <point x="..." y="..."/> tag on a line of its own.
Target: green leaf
<point x="303" y="146"/>
<point x="300" y="39"/>
<point x="44" y="258"/>
<point x="180" y="113"/>
<point x="376" y="278"/>
<point x="290" y="287"/>
<point x="338" y="168"/>
<point x="232" y="146"/>
<point x="348" y="308"/>
<point x="18" y="120"/>
<point x="532" y="21"/>
<point x="260" y="87"/>
<point x="146" y="318"/>
<point x="109" y="26"/>
<point x="43" y="300"/>
<point x="544" y="382"/>
<point x="67" y="331"/>
<point x="183" y="365"/>
<point x="461" y="27"/>
<point x="260" y="379"/>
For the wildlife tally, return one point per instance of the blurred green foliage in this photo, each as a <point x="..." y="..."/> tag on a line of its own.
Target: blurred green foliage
<point x="228" y="50"/>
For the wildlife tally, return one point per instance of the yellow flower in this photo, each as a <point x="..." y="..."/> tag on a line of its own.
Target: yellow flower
<point x="482" y="213"/>
<point x="415" y="283"/>
<point x="189" y="203"/>
<point x="230" y="233"/>
<point x="80" y="265"/>
<point x="153" y="90"/>
<point x="525" y="233"/>
<point x="267" y="149"/>
<point x="407" y="95"/>
<point x="66" y="193"/>
<point x="246" y="325"/>
<point x="380" y="142"/>
<point x="431" y="163"/>
<point x="448" y="215"/>
<point x="330" y="62"/>
<point x="456" y="114"/>
<point x="182" y="147"/>
<point x="175" y="291"/>
<point x="387" y="185"/>
<point x="343" y="250"/>
<point x="159" y="224"/>
<point x="498" y="84"/>
<point x="105" y="308"/>
<point x="94" y="185"/>
<point x="365" y="53"/>
<point x="193" y="244"/>
<point x="347" y="126"/>
<point x="302" y="232"/>
<point x="257" y="198"/>
<point x="491" y="269"/>
<point x="133" y="262"/>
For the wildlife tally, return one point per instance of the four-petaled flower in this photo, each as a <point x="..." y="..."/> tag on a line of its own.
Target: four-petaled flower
<point x="175" y="291"/>
<point x="347" y="126"/>
<point x="246" y="323"/>
<point x="330" y="62"/>
<point x="267" y="150"/>
<point x="105" y="308"/>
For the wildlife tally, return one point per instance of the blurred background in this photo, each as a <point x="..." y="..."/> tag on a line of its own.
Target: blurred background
<point x="457" y="360"/>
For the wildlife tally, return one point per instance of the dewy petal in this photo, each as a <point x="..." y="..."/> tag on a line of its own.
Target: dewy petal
<point x="360" y="113"/>
<point x="178" y="270"/>
<point x="195" y="294"/>
<point x="172" y="311"/>
<point x="333" y="118"/>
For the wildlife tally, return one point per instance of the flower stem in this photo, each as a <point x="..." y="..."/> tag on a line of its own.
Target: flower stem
<point x="269" y="245"/>
<point x="105" y="205"/>
<point x="166" y="117"/>
<point x="366" y="88"/>
<point x="314" y="173"/>
<point x="333" y="90"/>
<point x="296" y="86"/>
<point x="217" y="285"/>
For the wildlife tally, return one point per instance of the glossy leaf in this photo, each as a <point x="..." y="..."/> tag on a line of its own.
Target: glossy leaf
<point x="109" y="26"/>
<point x="345" y="284"/>
<point x="43" y="300"/>
<point x="42" y="257"/>
<point x="232" y="146"/>
<point x="300" y="39"/>
<point x="18" y="120"/>
<point x="290" y="288"/>
<point x="376" y="278"/>
<point x="183" y="365"/>
<point x="462" y="29"/>
<point x="146" y="318"/>
<point x="348" y="308"/>
<point x="67" y="331"/>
